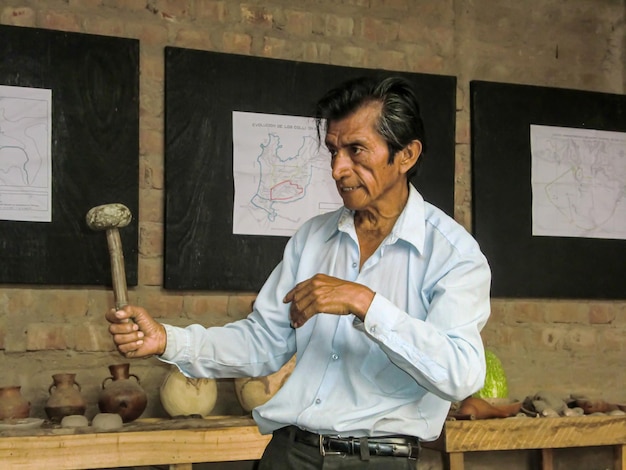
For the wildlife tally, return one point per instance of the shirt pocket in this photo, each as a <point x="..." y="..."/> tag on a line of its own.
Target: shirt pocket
<point x="385" y="375"/>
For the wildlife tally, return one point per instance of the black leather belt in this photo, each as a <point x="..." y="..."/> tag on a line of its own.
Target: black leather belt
<point x="391" y="446"/>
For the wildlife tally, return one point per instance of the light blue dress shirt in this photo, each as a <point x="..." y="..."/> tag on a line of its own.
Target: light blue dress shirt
<point x="396" y="373"/>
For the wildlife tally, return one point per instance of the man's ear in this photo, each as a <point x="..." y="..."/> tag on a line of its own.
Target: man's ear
<point x="409" y="155"/>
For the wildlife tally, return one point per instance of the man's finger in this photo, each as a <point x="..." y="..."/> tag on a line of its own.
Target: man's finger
<point x="118" y="316"/>
<point x="130" y="349"/>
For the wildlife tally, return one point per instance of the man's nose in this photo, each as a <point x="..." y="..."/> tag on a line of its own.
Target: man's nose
<point x="341" y="165"/>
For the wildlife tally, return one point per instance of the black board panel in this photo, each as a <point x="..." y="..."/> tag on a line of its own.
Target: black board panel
<point x="95" y="148"/>
<point x="202" y="89"/>
<point x="525" y="265"/>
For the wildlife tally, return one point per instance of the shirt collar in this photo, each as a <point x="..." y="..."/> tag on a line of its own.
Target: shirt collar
<point x="409" y="227"/>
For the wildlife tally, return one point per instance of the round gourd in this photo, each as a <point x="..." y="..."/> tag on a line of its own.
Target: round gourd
<point x="256" y="391"/>
<point x="184" y="396"/>
<point x="496" y="385"/>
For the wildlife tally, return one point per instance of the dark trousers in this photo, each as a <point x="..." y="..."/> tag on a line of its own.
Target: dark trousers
<point x="284" y="453"/>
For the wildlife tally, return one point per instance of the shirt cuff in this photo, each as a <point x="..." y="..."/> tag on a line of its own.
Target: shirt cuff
<point x="171" y="347"/>
<point x="381" y="316"/>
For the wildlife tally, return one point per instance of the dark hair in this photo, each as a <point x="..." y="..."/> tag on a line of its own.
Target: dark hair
<point x="400" y="121"/>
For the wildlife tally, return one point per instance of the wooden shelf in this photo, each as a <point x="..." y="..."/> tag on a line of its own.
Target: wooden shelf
<point x="178" y="443"/>
<point x="546" y="434"/>
<point x="181" y="442"/>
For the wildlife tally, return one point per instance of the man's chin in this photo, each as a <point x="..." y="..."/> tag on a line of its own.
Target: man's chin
<point x="351" y="204"/>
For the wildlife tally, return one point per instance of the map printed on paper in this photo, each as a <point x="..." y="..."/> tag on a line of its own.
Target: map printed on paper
<point x="578" y="182"/>
<point x="282" y="175"/>
<point x="25" y="155"/>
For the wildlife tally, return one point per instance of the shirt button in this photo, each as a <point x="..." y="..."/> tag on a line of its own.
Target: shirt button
<point x="354" y="265"/>
<point x="373" y="329"/>
<point x="318" y="401"/>
<point x="335" y="356"/>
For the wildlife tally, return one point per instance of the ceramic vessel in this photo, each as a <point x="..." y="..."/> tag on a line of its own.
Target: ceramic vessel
<point x="74" y="421"/>
<point x="12" y="404"/>
<point x="122" y="395"/>
<point x="65" y="397"/>
<point x="107" y="422"/>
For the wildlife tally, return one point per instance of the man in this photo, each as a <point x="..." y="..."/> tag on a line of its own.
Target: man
<point x="382" y="301"/>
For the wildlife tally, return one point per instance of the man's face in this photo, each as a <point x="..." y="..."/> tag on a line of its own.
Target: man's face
<point x="365" y="180"/>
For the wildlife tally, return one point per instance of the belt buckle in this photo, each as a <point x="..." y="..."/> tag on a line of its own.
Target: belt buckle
<point x="325" y="452"/>
<point x="414" y="451"/>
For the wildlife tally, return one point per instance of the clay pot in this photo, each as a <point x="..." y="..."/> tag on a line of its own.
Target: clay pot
<point x="123" y="395"/>
<point x="12" y="404"/>
<point x="65" y="398"/>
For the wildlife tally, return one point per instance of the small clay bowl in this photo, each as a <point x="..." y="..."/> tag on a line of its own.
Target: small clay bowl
<point x="107" y="422"/>
<point x="74" y="421"/>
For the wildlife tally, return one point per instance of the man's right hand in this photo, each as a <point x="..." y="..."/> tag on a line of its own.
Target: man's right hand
<point x="136" y="333"/>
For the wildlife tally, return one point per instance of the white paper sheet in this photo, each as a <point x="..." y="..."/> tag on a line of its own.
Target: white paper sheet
<point x="25" y="154"/>
<point x="578" y="182"/>
<point x="282" y="175"/>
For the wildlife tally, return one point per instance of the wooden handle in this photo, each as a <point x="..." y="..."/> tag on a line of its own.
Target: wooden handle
<point x="118" y="274"/>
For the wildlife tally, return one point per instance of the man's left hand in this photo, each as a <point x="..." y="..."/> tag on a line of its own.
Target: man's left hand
<point x="327" y="294"/>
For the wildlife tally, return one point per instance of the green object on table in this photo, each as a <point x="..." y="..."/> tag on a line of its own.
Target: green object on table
<point x="496" y="385"/>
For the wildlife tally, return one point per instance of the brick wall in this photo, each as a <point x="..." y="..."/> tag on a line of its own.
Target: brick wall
<point x="559" y="345"/>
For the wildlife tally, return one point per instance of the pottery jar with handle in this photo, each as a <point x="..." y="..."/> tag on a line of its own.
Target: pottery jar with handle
<point x="122" y="395"/>
<point x="65" y="397"/>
